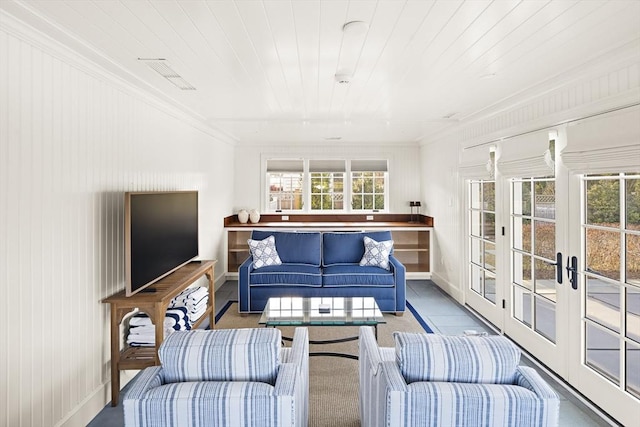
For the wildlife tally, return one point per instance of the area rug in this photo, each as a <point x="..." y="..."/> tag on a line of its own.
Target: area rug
<point x="333" y="381"/>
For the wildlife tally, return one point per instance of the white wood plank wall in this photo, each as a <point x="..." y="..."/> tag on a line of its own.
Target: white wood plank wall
<point x="71" y="142"/>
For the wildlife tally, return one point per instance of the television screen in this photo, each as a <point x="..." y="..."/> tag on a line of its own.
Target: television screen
<point x="161" y="235"/>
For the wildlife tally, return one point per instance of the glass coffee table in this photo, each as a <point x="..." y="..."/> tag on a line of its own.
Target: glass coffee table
<point x="323" y="311"/>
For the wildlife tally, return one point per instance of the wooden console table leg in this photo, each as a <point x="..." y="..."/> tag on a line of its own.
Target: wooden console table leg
<point x="115" y="355"/>
<point x="212" y="298"/>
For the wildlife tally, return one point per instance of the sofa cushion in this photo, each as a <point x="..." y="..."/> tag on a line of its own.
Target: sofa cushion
<point x="376" y="254"/>
<point x="295" y="247"/>
<point x="287" y="275"/>
<point x="431" y="357"/>
<point x="347" y="248"/>
<point x="355" y="275"/>
<point x="221" y="355"/>
<point x="264" y="252"/>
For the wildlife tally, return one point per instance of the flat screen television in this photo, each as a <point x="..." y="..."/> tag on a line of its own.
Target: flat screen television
<point x="161" y="235"/>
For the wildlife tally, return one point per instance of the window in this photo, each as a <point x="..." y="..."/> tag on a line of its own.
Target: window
<point x="368" y="184"/>
<point x="327" y="184"/>
<point x="284" y="180"/>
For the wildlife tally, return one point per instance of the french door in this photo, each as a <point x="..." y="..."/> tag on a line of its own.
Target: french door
<point x="567" y="264"/>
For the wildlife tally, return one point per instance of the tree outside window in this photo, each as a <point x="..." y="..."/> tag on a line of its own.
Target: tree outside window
<point x="368" y="190"/>
<point x="327" y="191"/>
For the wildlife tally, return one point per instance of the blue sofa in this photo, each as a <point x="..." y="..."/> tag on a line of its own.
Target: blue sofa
<point x="321" y="264"/>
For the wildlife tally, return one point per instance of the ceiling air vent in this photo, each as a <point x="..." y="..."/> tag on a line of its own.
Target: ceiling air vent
<point x="160" y="66"/>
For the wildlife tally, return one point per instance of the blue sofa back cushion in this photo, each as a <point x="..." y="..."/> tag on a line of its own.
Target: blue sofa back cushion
<point x="287" y="275"/>
<point x="295" y="247"/>
<point x="347" y="248"/>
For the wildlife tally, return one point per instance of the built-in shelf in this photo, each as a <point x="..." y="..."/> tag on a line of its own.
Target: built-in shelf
<point x="412" y="240"/>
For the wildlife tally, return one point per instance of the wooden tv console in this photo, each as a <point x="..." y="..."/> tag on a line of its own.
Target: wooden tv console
<point x="154" y="302"/>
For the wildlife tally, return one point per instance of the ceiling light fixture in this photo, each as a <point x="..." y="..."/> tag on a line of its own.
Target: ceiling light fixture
<point x="354" y="34"/>
<point x="160" y="66"/>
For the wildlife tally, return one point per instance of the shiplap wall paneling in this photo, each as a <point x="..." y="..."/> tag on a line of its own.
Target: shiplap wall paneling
<point x="72" y="141"/>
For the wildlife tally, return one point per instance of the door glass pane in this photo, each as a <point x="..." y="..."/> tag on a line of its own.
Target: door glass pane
<point x="490" y="286"/>
<point x="476" y="279"/>
<point x="603" y="303"/>
<point x="522" y="198"/>
<point x="632" y="269"/>
<point x="545" y="199"/>
<point x="522" y="273"/>
<point x="474" y="197"/>
<point x="633" y="314"/>
<point x="633" y="369"/>
<point x="489" y="226"/>
<point x="633" y="204"/>
<point x="603" y="202"/>
<point x="490" y="256"/>
<point x="476" y="251"/>
<point x="545" y="278"/>
<point x="603" y="352"/>
<point x="489" y="196"/>
<point x="546" y="318"/>
<point x="475" y="223"/>
<point x="545" y="239"/>
<point x="603" y="253"/>
<point x="522" y="233"/>
<point x="522" y="305"/>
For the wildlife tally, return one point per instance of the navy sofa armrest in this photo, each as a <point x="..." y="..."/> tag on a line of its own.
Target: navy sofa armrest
<point x="399" y="273"/>
<point x="244" y="272"/>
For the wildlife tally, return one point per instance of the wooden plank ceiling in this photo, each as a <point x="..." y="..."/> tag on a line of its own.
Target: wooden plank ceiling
<point x="264" y="71"/>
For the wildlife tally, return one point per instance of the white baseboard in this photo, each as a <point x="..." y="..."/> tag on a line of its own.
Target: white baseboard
<point x="451" y="289"/>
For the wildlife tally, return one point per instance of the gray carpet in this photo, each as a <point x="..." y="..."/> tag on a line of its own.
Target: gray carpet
<point x="333" y="381"/>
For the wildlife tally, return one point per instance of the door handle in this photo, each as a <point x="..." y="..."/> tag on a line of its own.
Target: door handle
<point x="558" y="265"/>
<point x="572" y="271"/>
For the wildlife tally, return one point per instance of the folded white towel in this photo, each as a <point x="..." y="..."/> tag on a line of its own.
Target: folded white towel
<point x="172" y="316"/>
<point x="189" y="296"/>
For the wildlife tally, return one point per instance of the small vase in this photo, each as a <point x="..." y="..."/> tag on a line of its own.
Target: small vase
<point x="254" y="216"/>
<point x="243" y="216"/>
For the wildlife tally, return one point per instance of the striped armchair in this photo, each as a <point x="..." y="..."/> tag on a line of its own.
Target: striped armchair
<point x="435" y="380"/>
<point x="225" y="377"/>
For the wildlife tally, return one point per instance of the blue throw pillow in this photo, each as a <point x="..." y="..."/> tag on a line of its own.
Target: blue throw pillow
<point x="376" y="254"/>
<point x="264" y="252"/>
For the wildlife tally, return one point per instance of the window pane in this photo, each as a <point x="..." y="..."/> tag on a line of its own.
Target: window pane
<point x="545" y="280"/>
<point x="546" y="318"/>
<point x="633" y="204"/>
<point x="603" y="303"/>
<point x="522" y="270"/>
<point x="356" y="201"/>
<point x="632" y="269"/>
<point x="489" y="196"/>
<point x="633" y="369"/>
<point x="603" y="352"/>
<point x="489" y="226"/>
<point x="603" y="202"/>
<point x="545" y="199"/>
<point x="367" y="201"/>
<point x="379" y="202"/>
<point x="545" y="239"/>
<point x="522" y="234"/>
<point x="633" y="314"/>
<point x="603" y="253"/>
<point x="522" y="305"/>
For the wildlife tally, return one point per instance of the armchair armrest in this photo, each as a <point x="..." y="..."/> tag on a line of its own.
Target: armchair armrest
<point x="293" y="378"/>
<point x="528" y="378"/>
<point x="399" y="272"/>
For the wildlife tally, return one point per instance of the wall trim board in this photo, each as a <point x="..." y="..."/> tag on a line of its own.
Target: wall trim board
<point x="24" y="31"/>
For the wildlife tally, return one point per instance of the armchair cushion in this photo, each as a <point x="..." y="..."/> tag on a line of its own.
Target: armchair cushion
<point x="431" y="357"/>
<point x="221" y="355"/>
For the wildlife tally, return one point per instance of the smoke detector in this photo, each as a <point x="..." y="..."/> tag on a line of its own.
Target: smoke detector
<point x="343" y="78"/>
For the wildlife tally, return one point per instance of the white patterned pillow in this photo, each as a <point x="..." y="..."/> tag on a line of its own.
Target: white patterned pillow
<point x="376" y="254"/>
<point x="264" y="252"/>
